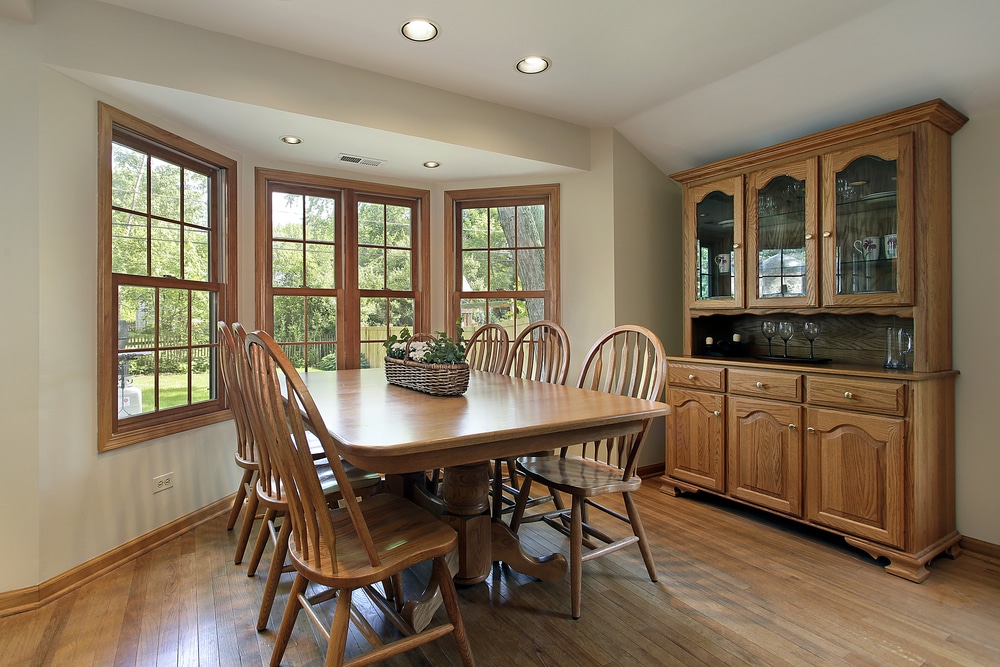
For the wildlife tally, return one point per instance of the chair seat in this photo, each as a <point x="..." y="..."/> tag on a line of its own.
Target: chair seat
<point x="246" y="464"/>
<point x="403" y="534"/>
<point x="576" y="476"/>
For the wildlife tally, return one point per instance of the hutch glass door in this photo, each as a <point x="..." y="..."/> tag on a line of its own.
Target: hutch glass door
<point x="718" y="258"/>
<point x="871" y="196"/>
<point x="781" y="236"/>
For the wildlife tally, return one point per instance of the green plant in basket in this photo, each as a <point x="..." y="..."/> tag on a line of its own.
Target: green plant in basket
<point x="438" y="349"/>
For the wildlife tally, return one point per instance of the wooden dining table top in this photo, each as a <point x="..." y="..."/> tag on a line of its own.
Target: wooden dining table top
<point x="396" y="430"/>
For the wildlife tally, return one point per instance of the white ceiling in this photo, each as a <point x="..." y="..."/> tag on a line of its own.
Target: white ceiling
<point x="685" y="81"/>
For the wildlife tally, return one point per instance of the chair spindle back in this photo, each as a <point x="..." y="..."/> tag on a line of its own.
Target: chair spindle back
<point x="540" y="352"/>
<point x="487" y="349"/>
<point x="284" y="434"/>
<point x="229" y="353"/>
<point x="630" y="361"/>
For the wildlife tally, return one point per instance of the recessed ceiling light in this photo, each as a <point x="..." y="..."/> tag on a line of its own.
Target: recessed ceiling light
<point x="290" y="139"/>
<point x="419" y="30"/>
<point x="431" y="164"/>
<point x="533" y="65"/>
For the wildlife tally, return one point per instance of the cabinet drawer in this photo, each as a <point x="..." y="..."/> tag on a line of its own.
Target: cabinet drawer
<point x="698" y="376"/>
<point x="853" y="394"/>
<point x="770" y="384"/>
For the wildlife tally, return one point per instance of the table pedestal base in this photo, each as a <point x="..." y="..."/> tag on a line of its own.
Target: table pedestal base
<point x="465" y="506"/>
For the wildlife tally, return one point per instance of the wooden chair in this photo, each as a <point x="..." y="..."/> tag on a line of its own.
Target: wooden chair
<point x="487" y="349"/>
<point x="346" y="549"/>
<point x="628" y="360"/>
<point x="540" y="352"/>
<point x="270" y="489"/>
<point x="246" y="450"/>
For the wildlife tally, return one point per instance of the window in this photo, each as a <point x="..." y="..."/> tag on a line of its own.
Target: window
<point x="166" y="275"/>
<point x="505" y="264"/>
<point x="344" y="267"/>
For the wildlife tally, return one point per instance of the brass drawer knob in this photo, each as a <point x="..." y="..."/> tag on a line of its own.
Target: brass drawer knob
<point x="809" y="237"/>
<point x="760" y="385"/>
<point x="811" y="429"/>
<point x="691" y="376"/>
<point x="735" y="246"/>
<point x="848" y="394"/>
<point x="716" y="413"/>
<point x="827" y="235"/>
<point x="791" y="426"/>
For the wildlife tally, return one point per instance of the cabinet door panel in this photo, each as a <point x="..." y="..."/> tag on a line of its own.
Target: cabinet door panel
<point x="781" y="237"/>
<point x="764" y="454"/>
<point x="695" y="435"/>
<point x="855" y="474"/>
<point x="868" y="208"/>
<point x="713" y="244"/>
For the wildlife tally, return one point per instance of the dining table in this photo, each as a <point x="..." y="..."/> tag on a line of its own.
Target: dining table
<point x="404" y="433"/>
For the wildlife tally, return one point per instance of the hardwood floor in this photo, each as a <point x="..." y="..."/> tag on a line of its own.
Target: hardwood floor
<point x="735" y="588"/>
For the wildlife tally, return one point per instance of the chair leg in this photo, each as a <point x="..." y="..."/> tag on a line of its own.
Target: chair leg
<point x="274" y="573"/>
<point x="496" y="490"/>
<point x="512" y="472"/>
<point x="450" y="597"/>
<point x="248" y="522"/>
<point x="258" y="546"/>
<point x="576" y="555"/>
<point x="288" y="619"/>
<point x="637" y="529"/>
<point x="339" y="629"/>
<point x="520" y="505"/>
<point x="241" y="496"/>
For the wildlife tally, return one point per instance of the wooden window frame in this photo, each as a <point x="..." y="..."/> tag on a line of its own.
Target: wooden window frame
<point x="348" y="193"/>
<point x="112" y="433"/>
<point x="491" y="197"/>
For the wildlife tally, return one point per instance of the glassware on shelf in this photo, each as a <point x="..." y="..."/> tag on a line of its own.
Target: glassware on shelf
<point x="898" y="344"/>
<point x="768" y="328"/>
<point x="811" y="331"/>
<point x="845" y="191"/>
<point x="786" y="331"/>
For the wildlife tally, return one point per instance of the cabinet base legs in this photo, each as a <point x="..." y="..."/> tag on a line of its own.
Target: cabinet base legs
<point x="910" y="566"/>
<point x="673" y="487"/>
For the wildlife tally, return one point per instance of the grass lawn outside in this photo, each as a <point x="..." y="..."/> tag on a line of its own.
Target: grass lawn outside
<point x="173" y="390"/>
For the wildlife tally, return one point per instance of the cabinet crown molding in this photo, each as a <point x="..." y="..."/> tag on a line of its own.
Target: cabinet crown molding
<point x="936" y="112"/>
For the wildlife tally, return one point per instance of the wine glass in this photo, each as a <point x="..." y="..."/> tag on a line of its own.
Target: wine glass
<point x="811" y="331"/>
<point x="768" y="328"/>
<point x="785" y="330"/>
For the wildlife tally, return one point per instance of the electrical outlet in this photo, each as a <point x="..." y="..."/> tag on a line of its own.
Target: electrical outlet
<point x="163" y="482"/>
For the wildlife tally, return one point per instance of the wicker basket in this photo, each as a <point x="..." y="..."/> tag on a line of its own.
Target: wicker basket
<point x="434" y="379"/>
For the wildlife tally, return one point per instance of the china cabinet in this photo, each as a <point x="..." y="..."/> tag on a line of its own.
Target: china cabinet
<point x="802" y="263"/>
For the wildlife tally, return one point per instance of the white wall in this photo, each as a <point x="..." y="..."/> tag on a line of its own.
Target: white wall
<point x="89" y="503"/>
<point x="976" y="324"/>
<point x="647" y="259"/>
<point x="19" y="274"/>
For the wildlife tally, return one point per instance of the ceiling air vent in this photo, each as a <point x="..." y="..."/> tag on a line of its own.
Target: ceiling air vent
<point x="357" y="159"/>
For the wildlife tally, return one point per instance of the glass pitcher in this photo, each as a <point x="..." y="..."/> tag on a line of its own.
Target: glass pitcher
<point x="898" y="344"/>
